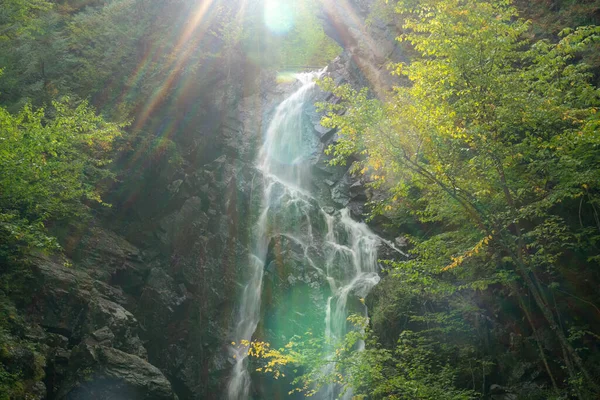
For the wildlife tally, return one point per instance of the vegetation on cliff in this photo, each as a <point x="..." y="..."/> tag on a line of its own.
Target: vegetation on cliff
<point x="128" y="59"/>
<point x="99" y="101"/>
<point x="49" y="169"/>
<point x="489" y="159"/>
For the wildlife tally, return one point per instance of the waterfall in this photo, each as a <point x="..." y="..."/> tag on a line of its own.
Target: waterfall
<point x="342" y="251"/>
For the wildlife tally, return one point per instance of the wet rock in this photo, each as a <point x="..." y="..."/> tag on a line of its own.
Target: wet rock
<point x="340" y="192"/>
<point x="401" y="241"/>
<point x="329" y="210"/>
<point x="314" y="117"/>
<point x="357" y="209"/>
<point x="181" y="306"/>
<point x="171" y="226"/>
<point x="110" y="258"/>
<point x="159" y="300"/>
<point x="55" y="340"/>
<point x="37" y="391"/>
<point x="104" y="335"/>
<point x="99" y="372"/>
<point x="66" y="301"/>
<point x="174" y="186"/>
<point x="356" y="191"/>
<point x="120" y="321"/>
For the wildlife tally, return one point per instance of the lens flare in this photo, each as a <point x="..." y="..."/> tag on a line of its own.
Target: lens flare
<point x="279" y="16"/>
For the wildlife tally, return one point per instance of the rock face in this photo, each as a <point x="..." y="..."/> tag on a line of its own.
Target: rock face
<point x="92" y="346"/>
<point x="368" y="47"/>
<point x="70" y="303"/>
<point x="97" y="371"/>
<point x="144" y="308"/>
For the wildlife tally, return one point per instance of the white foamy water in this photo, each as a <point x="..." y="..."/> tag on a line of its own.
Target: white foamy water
<point x="347" y="248"/>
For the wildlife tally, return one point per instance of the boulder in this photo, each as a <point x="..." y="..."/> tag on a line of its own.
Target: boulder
<point x="100" y="372"/>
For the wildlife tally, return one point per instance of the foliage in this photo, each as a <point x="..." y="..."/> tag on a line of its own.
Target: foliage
<point x="34" y="62"/>
<point x="124" y="54"/>
<point x="415" y="368"/>
<point x="494" y="147"/>
<point x="489" y="159"/>
<point x="550" y="17"/>
<point x="51" y="168"/>
<point x="19" y="17"/>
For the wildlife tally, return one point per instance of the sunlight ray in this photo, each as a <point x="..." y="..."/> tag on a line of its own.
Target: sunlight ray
<point x="180" y="54"/>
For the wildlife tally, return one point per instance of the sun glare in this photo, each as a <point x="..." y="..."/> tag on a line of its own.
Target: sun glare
<point x="279" y="16"/>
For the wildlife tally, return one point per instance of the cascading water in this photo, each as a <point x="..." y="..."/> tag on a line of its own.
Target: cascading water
<point x="343" y="252"/>
<point x="281" y="163"/>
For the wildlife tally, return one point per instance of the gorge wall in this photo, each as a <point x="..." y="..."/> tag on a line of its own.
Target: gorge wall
<point x="140" y="305"/>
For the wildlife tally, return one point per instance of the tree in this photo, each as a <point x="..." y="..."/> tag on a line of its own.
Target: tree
<point x="51" y="169"/>
<point x="495" y="141"/>
<point x="20" y="16"/>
